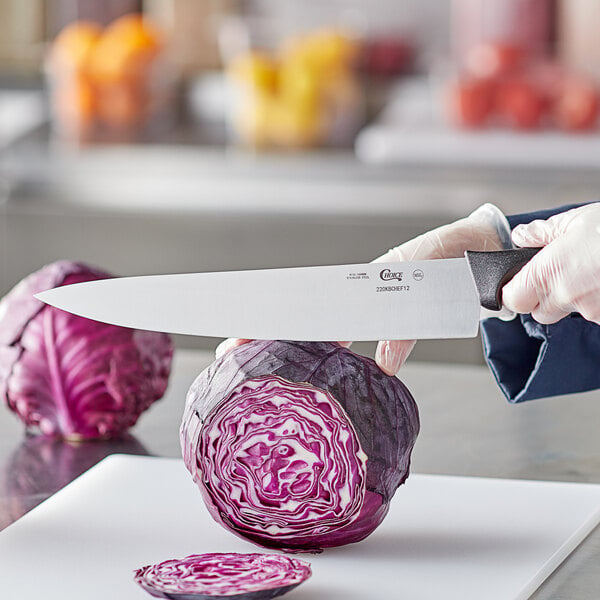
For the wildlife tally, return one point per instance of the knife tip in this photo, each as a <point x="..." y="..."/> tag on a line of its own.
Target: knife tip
<point x="44" y="296"/>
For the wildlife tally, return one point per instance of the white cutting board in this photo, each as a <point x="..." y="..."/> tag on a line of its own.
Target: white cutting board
<point x="445" y="537"/>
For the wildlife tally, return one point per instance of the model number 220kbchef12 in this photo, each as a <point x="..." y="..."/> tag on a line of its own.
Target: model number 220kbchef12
<point x="393" y="288"/>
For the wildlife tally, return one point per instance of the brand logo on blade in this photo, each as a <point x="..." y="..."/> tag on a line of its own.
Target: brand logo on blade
<point x="388" y="275"/>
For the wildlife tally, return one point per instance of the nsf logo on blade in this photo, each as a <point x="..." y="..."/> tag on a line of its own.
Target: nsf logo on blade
<point x="418" y="275"/>
<point x="389" y="275"/>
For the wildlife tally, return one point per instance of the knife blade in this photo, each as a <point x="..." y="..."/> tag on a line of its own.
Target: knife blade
<point x="401" y="300"/>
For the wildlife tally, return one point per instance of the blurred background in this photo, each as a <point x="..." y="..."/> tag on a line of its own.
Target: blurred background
<point x="165" y="136"/>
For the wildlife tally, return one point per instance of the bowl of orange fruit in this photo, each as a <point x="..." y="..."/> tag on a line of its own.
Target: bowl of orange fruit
<point x="109" y="81"/>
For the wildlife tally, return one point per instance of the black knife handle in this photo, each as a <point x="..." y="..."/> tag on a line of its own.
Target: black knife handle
<point x="493" y="270"/>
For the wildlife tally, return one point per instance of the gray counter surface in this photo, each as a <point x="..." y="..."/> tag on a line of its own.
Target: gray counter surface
<point x="467" y="428"/>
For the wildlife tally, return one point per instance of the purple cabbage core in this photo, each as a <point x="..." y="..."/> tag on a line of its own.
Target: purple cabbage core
<point x="223" y="575"/>
<point x="289" y="457"/>
<point x="298" y="445"/>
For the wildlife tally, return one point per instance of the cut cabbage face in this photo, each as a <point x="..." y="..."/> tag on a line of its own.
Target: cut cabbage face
<point x="298" y="446"/>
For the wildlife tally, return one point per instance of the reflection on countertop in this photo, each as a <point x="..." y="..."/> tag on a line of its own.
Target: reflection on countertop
<point x="40" y="466"/>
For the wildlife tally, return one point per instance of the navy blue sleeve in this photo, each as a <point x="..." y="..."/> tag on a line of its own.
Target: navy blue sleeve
<point x="514" y="220"/>
<point x="530" y="360"/>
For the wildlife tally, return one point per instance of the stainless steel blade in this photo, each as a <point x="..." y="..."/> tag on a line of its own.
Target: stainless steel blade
<point x="373" y="301"/>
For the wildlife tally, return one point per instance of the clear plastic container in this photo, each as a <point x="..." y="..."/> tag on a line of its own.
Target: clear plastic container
<point x="109" y="84"/>
<point x="292" y="78"/>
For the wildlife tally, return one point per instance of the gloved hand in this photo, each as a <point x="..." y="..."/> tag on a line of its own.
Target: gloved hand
<point x="484" y="229"/>
<point x="564" y="276"/>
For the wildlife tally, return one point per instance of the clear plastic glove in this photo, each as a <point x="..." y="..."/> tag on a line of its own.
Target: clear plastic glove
<point x="485" y="229"/>
<point x="564" y="276"/>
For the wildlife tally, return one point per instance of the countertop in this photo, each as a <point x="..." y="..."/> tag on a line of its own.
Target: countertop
<point x="165" y="178"/>
<point x="467" y="428"/>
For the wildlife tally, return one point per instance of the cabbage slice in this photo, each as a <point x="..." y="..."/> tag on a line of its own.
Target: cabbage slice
<point x="214" y="576"/>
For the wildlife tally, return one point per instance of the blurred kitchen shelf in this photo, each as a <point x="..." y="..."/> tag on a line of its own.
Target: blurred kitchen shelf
<point x="385" y="144"/>
<point x="178" y="175"/>
<point x="412" y="129"/>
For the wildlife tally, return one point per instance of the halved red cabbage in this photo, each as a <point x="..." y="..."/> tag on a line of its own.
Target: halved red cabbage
<point x="298" y="445"/>
<point x="67" y="376"/>
<point x="215" y="576"/>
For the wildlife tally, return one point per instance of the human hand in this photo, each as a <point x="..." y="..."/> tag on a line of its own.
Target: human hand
<point x="484" y="230"/>
<point x="564" y="276"/>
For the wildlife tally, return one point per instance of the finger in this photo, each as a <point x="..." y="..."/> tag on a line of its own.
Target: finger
<point x="392" y="255"/>
<point x="392" y="354"/>
<point x="535" y="234"/>
<point x="345" y="344"/>
<point x="526" y="301"/>
<point x="520" y="295"/>
<point x="229" y="344"/>
<point x="526" y="294"/>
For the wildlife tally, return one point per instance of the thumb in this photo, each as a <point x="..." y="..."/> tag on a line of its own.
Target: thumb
<point x="391" y="355"/>
<point x="530" y="290"/>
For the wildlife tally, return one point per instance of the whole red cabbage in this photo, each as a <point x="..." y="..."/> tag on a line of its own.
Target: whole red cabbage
<point x="223" y="575"/>
<point x="71" y="377"/>
<point x="298" y="445"/>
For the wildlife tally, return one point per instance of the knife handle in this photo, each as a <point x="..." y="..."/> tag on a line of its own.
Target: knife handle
<point x="493" y="270"/>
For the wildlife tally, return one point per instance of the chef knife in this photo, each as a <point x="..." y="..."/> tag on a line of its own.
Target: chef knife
<point x="372" y="301"/>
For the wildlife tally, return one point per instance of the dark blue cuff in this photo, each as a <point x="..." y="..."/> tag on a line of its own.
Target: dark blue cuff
<point x="530" y="360"/>
<point x="514" y="220"/>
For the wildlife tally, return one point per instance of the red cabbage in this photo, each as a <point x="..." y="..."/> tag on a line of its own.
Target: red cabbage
<point x="71" y="377"/>
<point x="229" y="575"/>
<point x="298" y="445"/>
